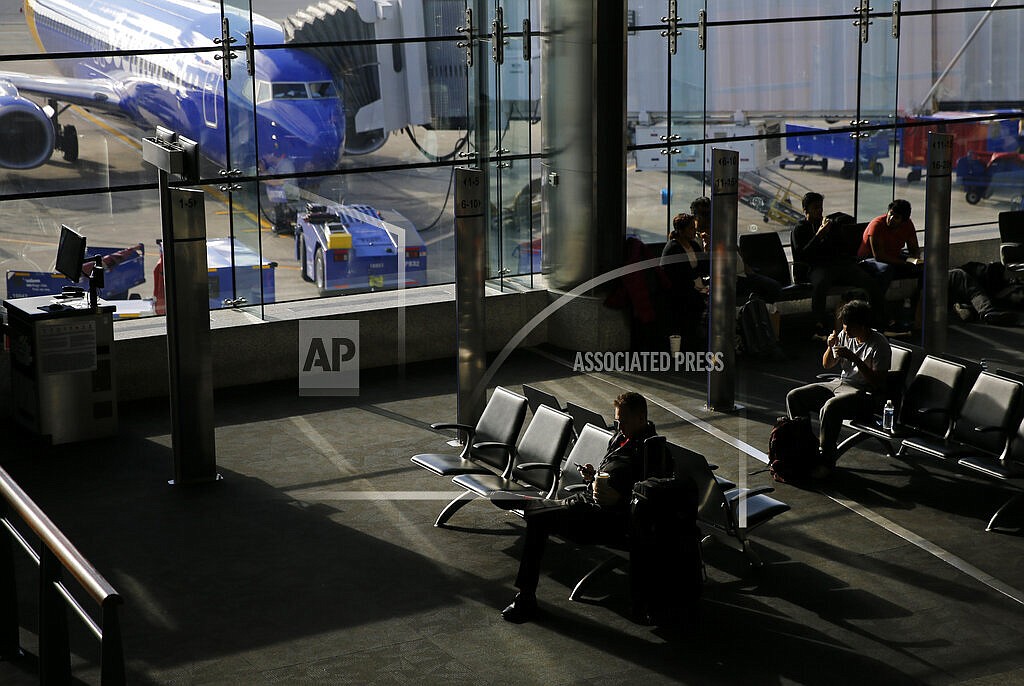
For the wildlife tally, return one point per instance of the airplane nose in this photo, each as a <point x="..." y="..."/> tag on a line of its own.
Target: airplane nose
<point x="331" y="146"/>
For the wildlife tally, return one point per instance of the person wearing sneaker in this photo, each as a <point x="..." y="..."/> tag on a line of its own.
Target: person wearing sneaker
<point x="889" y="249"/>
<point x="864" y="356"/>
<point x="825" y="254"/>
<point x="599" y="514"/>
<point x="969" y="298"/>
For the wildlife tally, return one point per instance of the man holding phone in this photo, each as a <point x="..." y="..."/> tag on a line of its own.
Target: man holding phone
<point x="864" y="356"/>
<point x="599" y="513"/>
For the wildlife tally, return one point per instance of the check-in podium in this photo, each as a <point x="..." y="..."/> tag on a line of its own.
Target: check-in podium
<point x="62" y="367"/>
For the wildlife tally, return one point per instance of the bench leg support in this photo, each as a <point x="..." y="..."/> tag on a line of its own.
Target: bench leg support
<point x="755" y="561"/>
<point x="992" y="526"/>
<point x="454" y="506"/>
<point x="598" y="571"/>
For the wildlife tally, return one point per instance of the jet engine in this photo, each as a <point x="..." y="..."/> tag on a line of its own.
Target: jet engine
<point x="27" y="138"/>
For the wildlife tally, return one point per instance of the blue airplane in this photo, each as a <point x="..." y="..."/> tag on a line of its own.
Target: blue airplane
<point x="298" y="111"/>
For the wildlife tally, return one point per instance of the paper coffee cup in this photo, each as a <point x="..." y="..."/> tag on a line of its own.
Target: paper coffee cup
<point x="675" y="344"/>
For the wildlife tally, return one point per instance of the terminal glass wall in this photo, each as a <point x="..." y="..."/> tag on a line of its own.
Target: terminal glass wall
<point x="824" y="98"/>
<point x="362" y="113"/>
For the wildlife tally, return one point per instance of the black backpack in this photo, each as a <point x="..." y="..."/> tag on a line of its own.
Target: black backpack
<point x="793" y="450"/>
<point x="666" y="570"/>
<point x="756" y="332"/>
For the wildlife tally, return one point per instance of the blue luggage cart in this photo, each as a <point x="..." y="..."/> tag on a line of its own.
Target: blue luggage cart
<point x="817" y="149"/>
<point x="123" y="270"/>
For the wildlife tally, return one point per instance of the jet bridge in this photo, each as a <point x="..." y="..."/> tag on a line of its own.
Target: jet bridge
<point x="384" y="86"/>
<point x="387" y="87"/>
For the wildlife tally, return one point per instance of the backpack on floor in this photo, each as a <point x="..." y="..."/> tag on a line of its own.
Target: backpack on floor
<point x="757" y="335"/>
<point x="793" y="450"/>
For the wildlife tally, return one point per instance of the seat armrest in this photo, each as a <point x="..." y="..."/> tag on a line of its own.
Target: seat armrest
<point x="527" y="466"/>
<point x="575" y="488"/>
<point x="988" y="429"/>
<point x="758" y="491"/>
<point x="509" y="451"/>
<point x="470" y="432"/>
<point x="487" y="445"/>
<point x="436" y="426"/>
<point x="932" y="410"/>
<point x="733" y="494"/>
<point x="826" y="377"/>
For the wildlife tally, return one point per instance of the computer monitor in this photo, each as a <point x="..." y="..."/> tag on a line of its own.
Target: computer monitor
<point x="70" y="253"/>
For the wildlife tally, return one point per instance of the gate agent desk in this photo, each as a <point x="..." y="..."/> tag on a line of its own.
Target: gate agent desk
<point x="62" y="371"/>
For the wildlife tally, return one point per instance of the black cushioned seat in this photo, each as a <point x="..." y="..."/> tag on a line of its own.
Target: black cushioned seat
<point x="928" y="407"/>
<point x="536" y="397"/>
<point x="581" y="416"/>
<point x="1011" y="240"/>
<point x="764" y="254"/>
<point x="718" y="510"/>
<point x="982" y="425"/>
<point x="1007" y="469"/>
<point x="500" y="422"/>
<point x="532" y="465"/>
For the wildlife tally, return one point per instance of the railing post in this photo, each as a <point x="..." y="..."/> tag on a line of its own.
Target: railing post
<point x="54" y="649"/>
<point x="111" y="646"/>
<point x="10" y="647"/>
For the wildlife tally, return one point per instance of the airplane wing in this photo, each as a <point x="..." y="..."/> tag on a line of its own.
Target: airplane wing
<point x="92" y="93"/>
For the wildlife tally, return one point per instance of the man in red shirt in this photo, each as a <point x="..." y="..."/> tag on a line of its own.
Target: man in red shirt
<point x="889" y="248"/>
<point x="889" y="242"/>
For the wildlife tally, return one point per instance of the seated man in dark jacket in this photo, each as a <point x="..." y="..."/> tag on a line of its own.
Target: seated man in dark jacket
<point x="825" y="253"/>
<point x="599" y="514"/>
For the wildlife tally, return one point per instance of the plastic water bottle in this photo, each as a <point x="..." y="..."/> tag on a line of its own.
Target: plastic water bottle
<point x="887" y="415"/>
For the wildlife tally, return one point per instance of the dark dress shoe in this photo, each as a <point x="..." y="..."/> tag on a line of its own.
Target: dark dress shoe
<point x="998" y="318"/>
<point x="522" y="609"/>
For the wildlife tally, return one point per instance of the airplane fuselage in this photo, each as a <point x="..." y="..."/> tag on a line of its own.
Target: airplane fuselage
<point x="289" y="104"/>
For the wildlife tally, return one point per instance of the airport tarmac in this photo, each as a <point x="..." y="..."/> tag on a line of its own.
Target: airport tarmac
<point x="110" y="158"/>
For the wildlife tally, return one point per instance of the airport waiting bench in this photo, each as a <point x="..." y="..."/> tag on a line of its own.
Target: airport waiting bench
<point x="541" y="448"/>
<point x="765" y="254"/>
<point x="957" y="415"/>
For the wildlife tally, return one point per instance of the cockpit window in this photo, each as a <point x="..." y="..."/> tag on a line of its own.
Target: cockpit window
<point x="297" y="90"/>
<point x="322" y="89"/>
<point x="262" y="91"/>
<point x="289" y="91"/>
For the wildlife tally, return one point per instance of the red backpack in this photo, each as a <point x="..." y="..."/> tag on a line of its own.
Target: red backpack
<point x="793" y="450"/>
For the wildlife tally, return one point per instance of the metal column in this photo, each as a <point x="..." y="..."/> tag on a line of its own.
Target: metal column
<point x="722" y="321"/>
<point x="583" y="107"/>
<point x="470" y="272"/>
<point x="935" y="302"/>
<point x="189" y="361"/>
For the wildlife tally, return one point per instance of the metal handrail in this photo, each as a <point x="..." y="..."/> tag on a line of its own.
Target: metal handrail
<point x="57" y="554"/>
